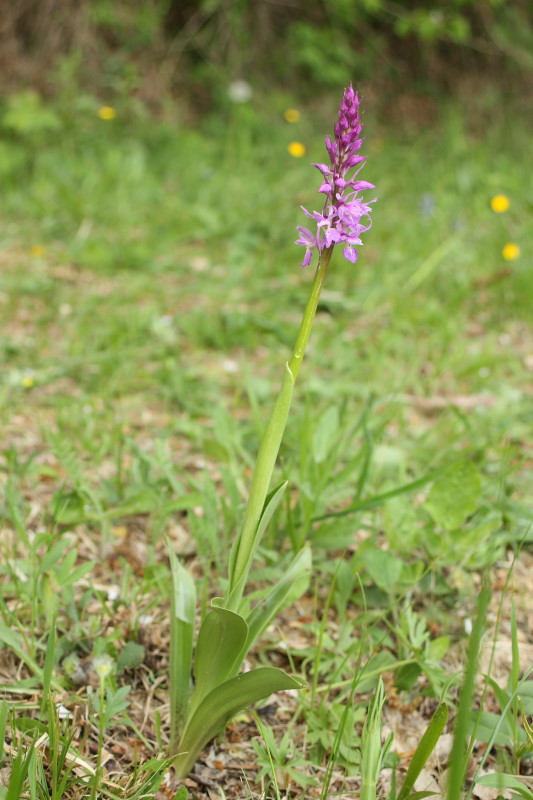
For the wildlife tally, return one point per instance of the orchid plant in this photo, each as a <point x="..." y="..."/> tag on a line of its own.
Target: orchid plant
<point x="232" y="625"/>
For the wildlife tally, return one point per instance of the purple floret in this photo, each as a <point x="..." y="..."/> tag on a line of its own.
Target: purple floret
<point x="340" y="219"/>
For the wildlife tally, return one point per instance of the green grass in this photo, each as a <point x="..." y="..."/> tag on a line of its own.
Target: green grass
<point x="150" y="294"/>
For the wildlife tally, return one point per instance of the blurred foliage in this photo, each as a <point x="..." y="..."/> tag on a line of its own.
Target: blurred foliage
<point x="154" y="48"/>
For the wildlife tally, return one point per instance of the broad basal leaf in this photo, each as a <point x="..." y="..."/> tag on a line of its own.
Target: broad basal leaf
<point x="222" y="703"/>
<point x="182" y="613"/>
<point x="219" y="646"/>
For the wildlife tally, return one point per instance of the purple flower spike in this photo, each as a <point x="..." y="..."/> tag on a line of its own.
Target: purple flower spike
<point x="340" y="219"/>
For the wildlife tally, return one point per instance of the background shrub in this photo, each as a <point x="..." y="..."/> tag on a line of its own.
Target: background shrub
<point x="190" y="47"/>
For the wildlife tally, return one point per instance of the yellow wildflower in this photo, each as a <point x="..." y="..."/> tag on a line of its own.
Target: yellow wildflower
<point x="500" y="203"/>
<point x="36" y="250"/>
<point x="27" y="381"/>
<point x="296" y="149"/>
<point x="511" y="251"/>
<point x="292" y="115"/>
<point x="107" y="112"/>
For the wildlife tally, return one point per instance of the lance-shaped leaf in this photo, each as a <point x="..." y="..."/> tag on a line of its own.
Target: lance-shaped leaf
<point x="238" y="582"/>
<point x="182" y="612"/>
<point x="425" y="747"/>
<point x="219" y="646"/>
<point x="288" y="589"/>
<point x="222" y="703"/>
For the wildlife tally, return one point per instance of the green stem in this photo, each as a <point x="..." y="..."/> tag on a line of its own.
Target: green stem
<point x="310" y="311"/>
<point x="245" y="544"/>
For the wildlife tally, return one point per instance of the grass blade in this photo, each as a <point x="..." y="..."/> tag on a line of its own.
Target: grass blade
<point x="14" y="641"/>
<point x="4" y="709"/>
<point x="460" y="750"/>
<point x="378" y="499"/>
<point x="425" y="747"/>
<point x="371" y="747"/>
<point x="48" y="666"/>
